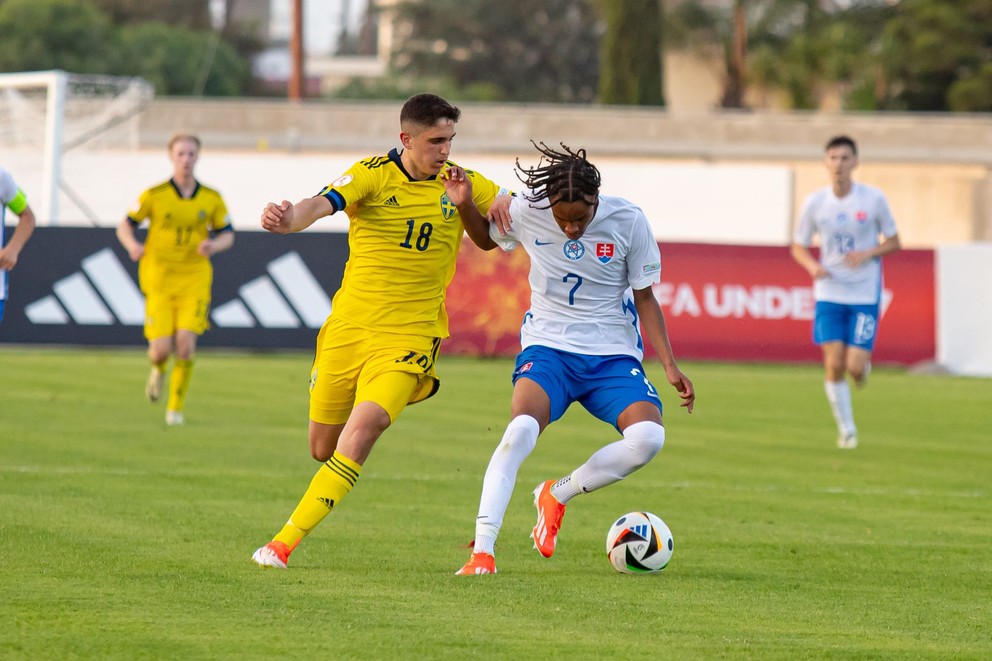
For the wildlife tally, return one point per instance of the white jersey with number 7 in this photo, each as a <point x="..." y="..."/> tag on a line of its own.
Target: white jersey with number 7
<point x="581" y="297"/>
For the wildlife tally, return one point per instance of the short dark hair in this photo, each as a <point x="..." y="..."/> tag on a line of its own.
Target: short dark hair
<point x="427" y="109"/>
<point x="567" y="176"/>
<point x="842" y="141"/>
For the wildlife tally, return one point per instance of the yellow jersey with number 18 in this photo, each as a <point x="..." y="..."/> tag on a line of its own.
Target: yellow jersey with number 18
<point x="403" y="239"/>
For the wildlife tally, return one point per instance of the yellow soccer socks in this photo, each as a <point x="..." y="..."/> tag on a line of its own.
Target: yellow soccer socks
<point x="333" y="481"/>
<point x="178" y="383"/>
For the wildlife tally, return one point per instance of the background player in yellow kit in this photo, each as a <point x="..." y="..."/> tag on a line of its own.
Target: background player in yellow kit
<point x="187" y="224"/>
<point x="376" y="352"/>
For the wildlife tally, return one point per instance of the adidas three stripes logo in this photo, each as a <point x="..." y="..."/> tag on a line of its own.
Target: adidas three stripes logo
<point x="102" y="293"/>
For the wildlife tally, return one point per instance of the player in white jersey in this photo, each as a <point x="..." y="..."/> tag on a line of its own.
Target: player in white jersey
<point x="12" y="197"/>
<point x="849" y="218"/>
<point x="593" y="261"/>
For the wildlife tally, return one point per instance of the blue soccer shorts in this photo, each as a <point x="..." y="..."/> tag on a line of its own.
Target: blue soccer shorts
<point x="604" y="385"/>
<point x="854" y="325"/>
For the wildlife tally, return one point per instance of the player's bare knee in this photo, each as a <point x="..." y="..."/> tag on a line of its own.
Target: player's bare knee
<point x="323" y="440"/>
<point x="645" y="440"/>
<point x="159" y="352"/>
<point x="321" y="450"/>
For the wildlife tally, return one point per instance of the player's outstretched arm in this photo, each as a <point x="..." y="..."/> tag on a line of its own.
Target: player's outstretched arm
<point x="286" y="217"/>
<point x="653" y="324"/>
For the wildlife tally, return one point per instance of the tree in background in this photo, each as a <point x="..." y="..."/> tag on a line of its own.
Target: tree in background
<point x="742" y="33"/>
<point x="192" y="14"/>
<point x="818" y="46"/>
<point x="77" y="36"/>
<point x="630" y="53"/>
<point x="54" y="34"/>
<point x="939" y="56"/>
<point x="913" y="55"/>
<point x="514" y="50"/>
<point x="173" y="59"/>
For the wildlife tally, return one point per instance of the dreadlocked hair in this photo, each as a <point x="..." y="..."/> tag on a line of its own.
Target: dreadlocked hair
<point x="560" y="176"/>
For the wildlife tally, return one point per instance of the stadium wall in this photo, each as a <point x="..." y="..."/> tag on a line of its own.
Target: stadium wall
<point x="936" y="168"/>
<point x="733" y="179"/>
<point x="76" y="286"/>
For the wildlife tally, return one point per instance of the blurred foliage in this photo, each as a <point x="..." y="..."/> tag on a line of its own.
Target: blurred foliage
<point x="806" y="52"/>
<point x="55" y="34"/>
<point x="940" y="55"/>
<point x="79" y="36"/>
<point x="173" y="60"/>
<point x="514" y="50"/>
<point x="780" y="50"/>
<point x="914" y="55"/>
<point x="921" y="55"/>
<point x="630" y="53"/>
<point x="401" y="88"/>
<point x="192" y="14"/>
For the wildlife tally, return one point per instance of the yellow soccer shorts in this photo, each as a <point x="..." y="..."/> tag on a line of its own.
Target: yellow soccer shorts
<point x="175" y="298"/>
<point x="165" y="313"/>
<point x="353" y="365"/>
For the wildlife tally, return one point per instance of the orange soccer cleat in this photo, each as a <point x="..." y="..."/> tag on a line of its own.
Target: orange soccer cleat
<point x="478" y="564"/>
<point x="549" y="515"/>
<point x="273" y="554"/>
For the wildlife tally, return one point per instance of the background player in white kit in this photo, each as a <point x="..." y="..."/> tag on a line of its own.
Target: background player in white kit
<point x="849" y="218"/>
<point x="593" y="261"/>
<point x="13" y="198"/>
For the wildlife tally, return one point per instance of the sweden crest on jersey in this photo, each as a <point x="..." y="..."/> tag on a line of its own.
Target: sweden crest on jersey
<point x="447" y="207"/>
<point x="605" y="252"/>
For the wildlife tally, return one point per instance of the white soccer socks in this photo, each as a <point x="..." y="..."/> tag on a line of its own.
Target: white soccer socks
<point x="518" y="442"/>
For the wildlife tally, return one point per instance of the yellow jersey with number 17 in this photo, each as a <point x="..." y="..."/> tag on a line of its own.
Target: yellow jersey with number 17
<point x="403" y="239"/>
<point x="176" y="226"/>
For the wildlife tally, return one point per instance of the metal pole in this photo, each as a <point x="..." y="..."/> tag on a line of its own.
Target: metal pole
<point x="54" y="111"/>
<point x="296" y="76"/>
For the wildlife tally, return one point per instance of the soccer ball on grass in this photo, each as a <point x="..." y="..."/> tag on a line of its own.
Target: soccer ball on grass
<point x="639" y="543"/>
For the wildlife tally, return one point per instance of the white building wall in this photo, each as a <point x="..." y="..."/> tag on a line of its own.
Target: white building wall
<point x="964" y="309"/>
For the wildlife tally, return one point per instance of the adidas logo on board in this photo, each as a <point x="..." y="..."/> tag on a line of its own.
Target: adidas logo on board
<point x="103" y="294"/>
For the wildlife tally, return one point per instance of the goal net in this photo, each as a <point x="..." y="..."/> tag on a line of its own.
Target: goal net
<point x="52" y="123"/>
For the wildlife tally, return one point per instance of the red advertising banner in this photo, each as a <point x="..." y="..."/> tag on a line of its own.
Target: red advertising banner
<point x="734" y="303"/>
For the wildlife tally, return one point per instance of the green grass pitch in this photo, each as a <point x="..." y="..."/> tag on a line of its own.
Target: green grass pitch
<point x="124" y="539"/>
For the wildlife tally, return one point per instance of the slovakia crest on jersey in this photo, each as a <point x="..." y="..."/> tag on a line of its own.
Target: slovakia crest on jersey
<point x="861" y="216"/>
<point x="605" y="252"/>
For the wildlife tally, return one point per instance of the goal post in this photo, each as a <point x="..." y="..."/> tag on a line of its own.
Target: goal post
<point x="44" y="114"/>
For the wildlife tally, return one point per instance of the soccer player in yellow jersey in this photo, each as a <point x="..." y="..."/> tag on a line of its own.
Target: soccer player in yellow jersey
<point x="187" y="224"/>
<point x="377" y="351"/>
